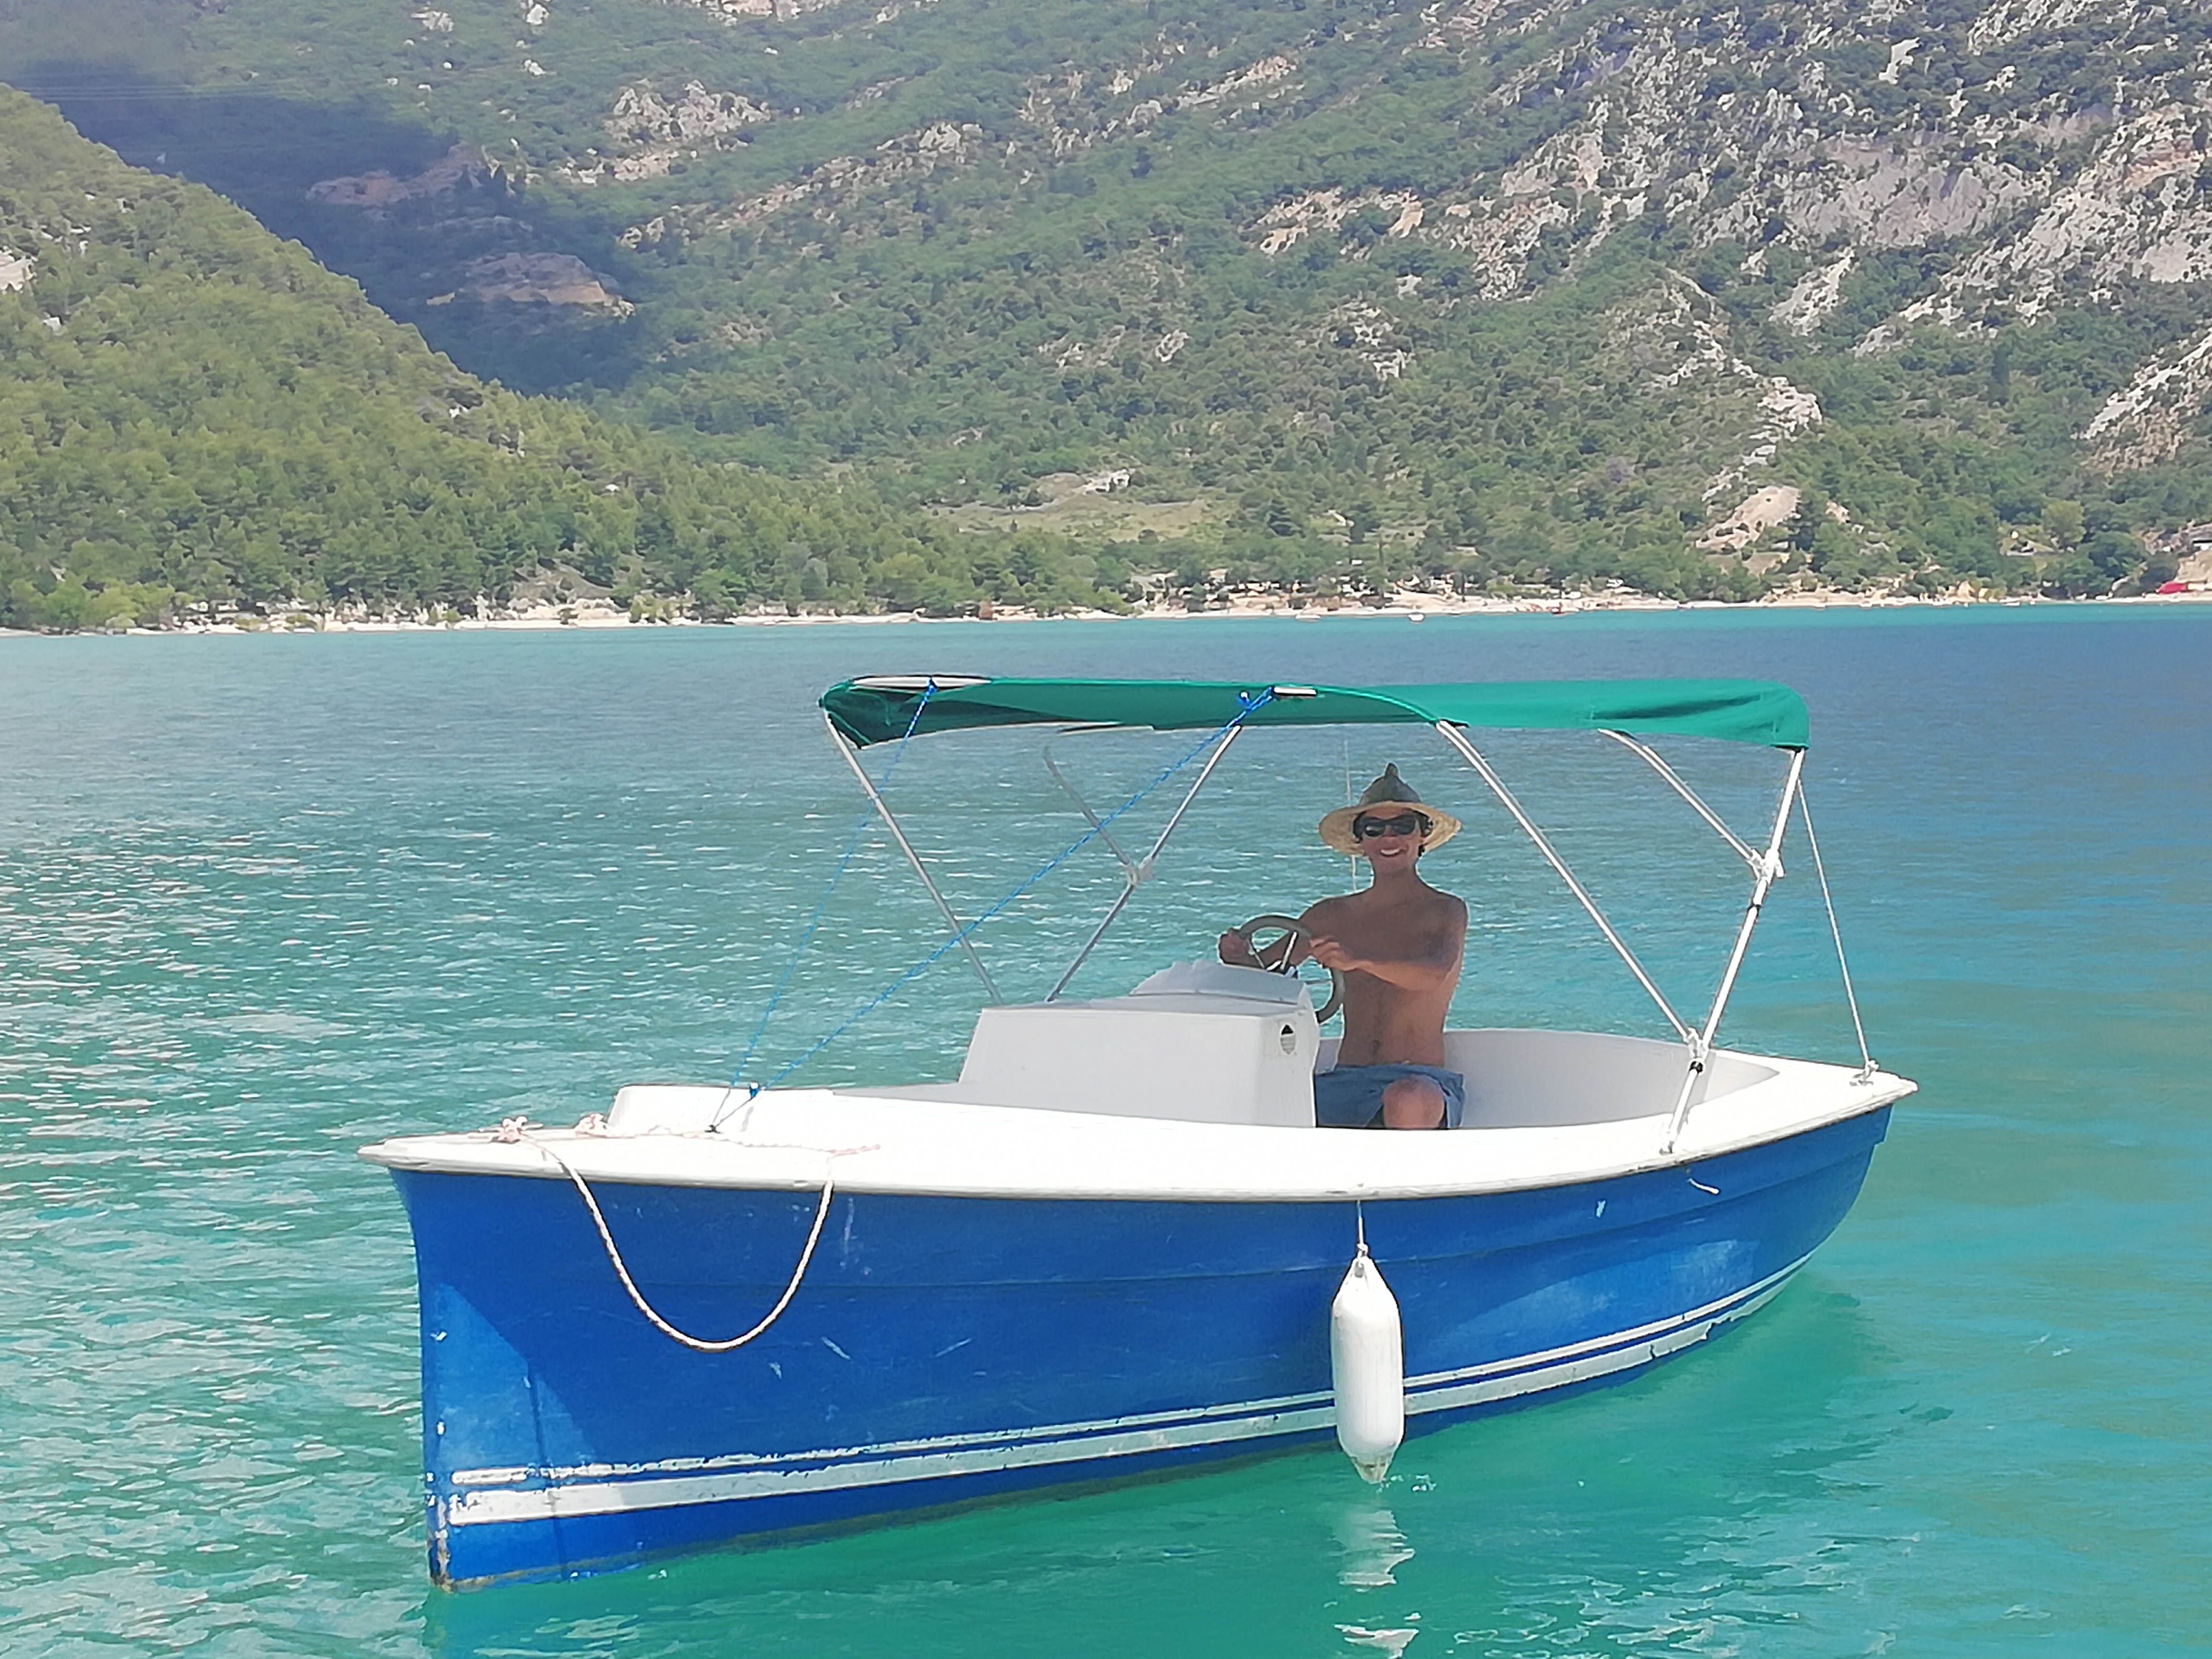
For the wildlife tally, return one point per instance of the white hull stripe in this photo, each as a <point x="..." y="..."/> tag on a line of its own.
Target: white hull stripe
<point x="1657" y="1328"/>
<point x="606" y="1489"/>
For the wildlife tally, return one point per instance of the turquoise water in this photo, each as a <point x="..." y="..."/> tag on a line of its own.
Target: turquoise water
<point x="265" y="899"/>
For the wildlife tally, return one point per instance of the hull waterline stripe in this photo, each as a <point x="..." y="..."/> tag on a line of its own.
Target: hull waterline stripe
<point x="895" y="1463"/>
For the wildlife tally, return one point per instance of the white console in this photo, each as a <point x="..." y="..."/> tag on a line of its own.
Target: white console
<point x="1201" y="1042"/>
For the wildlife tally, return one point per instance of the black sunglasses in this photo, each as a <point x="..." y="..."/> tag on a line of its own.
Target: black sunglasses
<point x="1412" y="823"/>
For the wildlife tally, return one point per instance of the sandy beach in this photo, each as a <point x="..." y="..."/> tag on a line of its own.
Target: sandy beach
<point x="591" y="615"/>
<point x="1413" y="608"/>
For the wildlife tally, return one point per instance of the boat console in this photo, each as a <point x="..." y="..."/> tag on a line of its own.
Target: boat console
<point x="1202" y="1042"/>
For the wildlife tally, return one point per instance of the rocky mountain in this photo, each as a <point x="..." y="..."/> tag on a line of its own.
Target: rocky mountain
<point x="1487" y="291"/>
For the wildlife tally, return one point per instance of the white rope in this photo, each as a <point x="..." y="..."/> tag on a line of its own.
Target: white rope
<point x="518" y="1129"/>
<point x="1836" y="932"/>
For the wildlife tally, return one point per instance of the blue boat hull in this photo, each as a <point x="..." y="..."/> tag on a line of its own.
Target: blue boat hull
<point x="947" y="1349"/>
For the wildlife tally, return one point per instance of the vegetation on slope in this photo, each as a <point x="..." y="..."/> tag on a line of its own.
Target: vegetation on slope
<point x="196" y="417"/>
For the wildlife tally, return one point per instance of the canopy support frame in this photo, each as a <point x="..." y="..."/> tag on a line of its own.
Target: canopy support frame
<point x="1137" y="874"/>
<point x="1769" y="871"/>
<point x="1459" y="740"/>
<point x="1766" y="866"/>
<point x="1068" y="789"/>
<point x="960" y="930"/>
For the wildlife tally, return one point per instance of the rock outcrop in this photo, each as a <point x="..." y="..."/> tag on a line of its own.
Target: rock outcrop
<point x="559" y="279"/>
<point x="652" y="132"/>
<point x="2150" y="418"/>
<point x="461" y="167"/>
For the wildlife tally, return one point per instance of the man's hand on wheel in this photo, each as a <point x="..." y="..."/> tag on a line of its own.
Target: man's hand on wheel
<point x="1322" y="949"/>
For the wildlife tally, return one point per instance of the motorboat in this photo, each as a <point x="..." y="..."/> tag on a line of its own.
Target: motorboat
<point x="1115" y="1244"/>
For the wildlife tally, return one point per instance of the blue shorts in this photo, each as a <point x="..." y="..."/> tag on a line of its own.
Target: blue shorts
<point x="1351" y="1096"/>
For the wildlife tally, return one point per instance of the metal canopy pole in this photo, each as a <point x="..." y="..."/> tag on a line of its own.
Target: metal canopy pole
<point x="1083" y="806"/>
<point x="1769" y="872"/>
<point x="959" y="931"/>
<point x="1675" y="781"/>
<point x="1135" y="875"/>
<point x="1458" y="740"/>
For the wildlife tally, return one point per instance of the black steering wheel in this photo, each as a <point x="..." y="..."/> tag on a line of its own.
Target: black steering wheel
<point x="1276" y="956"/>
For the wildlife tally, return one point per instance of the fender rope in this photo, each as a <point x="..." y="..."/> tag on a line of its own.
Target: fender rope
<point x="518" y="1129"/>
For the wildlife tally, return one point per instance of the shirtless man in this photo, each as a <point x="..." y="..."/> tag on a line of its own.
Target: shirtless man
<point x="1398" y="944"/>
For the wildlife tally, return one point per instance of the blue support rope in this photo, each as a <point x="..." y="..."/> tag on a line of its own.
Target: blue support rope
<point x="814" y="922"/>
<point x="1248" y="704"/>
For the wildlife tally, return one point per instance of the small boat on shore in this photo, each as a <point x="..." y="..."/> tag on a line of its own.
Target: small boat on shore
<point x="1112" y="1245"/>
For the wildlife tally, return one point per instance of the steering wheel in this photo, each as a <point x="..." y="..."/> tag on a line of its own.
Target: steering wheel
<point x="1276" y="957"/>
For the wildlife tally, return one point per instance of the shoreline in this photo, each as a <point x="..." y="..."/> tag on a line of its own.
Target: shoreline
<point x="589" y="617"/>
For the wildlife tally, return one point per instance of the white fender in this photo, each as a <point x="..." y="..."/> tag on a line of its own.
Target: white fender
<point x="1367" y="1355"/>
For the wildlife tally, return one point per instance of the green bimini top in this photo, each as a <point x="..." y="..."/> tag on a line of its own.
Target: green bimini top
<point x="882" y="708"/>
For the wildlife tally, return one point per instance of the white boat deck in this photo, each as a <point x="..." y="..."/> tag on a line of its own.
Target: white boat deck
<point x="1545" y="1109"/>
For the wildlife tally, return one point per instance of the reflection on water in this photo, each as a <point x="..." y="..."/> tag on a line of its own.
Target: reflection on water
<point x="1392" y="1642"/>
<point x="1372" y="1547"/>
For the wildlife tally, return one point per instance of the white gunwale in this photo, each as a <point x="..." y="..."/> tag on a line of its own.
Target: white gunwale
<point x="890" y="1141"/>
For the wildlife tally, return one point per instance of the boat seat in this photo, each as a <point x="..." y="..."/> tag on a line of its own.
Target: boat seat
<point x="1540" y="1080"/>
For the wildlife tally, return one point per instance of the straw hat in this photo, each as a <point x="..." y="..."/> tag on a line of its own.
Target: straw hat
<point x="1387" y="791"/>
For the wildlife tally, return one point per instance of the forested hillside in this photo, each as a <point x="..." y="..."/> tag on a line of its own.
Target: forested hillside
<point x="1333" y="291"/>
<point x="196" y="417"/>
